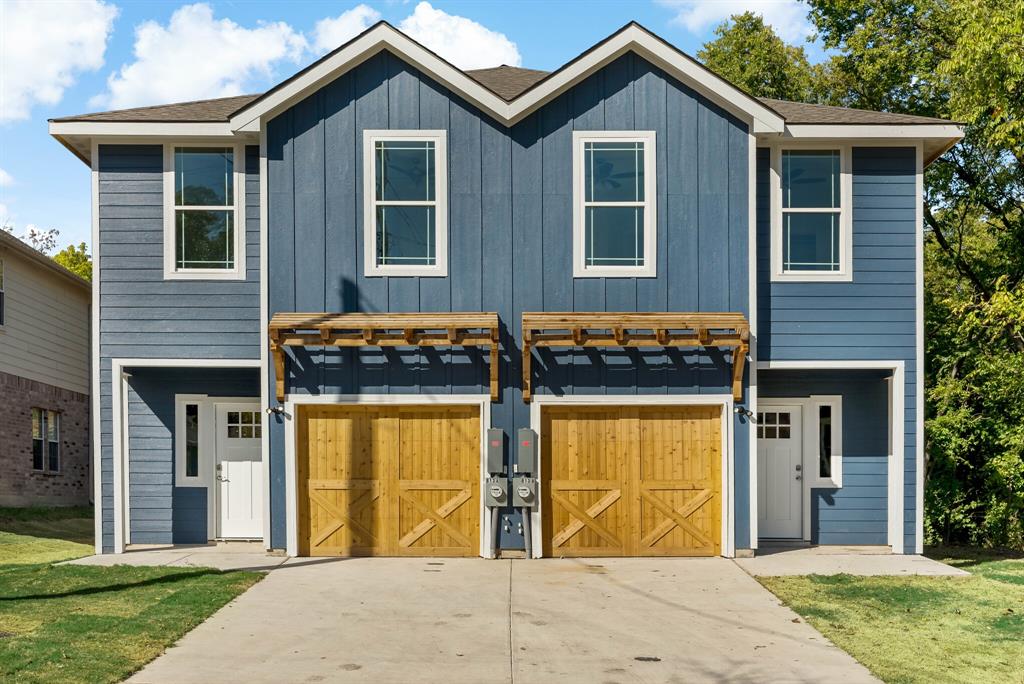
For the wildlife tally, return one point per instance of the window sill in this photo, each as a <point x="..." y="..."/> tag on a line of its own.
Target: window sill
<point x="406" y="272"/>
<point x="614" y="273"/>
<point x="204" y="275"/>
<point x="812" y="277"/>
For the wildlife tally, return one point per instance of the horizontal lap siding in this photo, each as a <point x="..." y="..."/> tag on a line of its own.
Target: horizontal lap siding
<point x="144" y="316"/>
<point x="858" y="512"/>
<point x="510" y="238"/>
<point x="160" y="511"/>
<point x="871" y="318"/>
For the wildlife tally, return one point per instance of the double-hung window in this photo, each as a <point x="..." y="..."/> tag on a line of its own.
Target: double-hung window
<point x="1" y="292"/>
<point x="45" y="440"/>
<point x="614" y="194"/>
<point x="203" y="223"/>
<point x="812" y="220"/>
<point x="405" y="203"/>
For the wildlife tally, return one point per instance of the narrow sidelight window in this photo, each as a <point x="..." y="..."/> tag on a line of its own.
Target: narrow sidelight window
<point x="203" y="223"/>
<point x="45" y="440"/>
<point x="824" y="441"/>
<point x="406" y="212"/>
<point x="614" y="213"/>
<point x="192" y="440"/>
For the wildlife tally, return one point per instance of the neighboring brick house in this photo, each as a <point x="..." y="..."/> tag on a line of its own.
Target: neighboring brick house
<point x="44" y="380"/>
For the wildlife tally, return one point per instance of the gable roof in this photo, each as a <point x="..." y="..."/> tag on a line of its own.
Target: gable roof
<point x="506" y="93"/>
<point x="18" y="247"/>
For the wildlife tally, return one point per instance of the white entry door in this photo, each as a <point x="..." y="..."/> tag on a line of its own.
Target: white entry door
<point x="779" y="473"/>
<point x="239" y="471"/>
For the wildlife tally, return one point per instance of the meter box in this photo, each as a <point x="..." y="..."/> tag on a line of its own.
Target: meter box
<point x="496" y="492"/>
<point x="524" y="492"/>
<point x="495" y="451"/>
<point x="526" y="451"/>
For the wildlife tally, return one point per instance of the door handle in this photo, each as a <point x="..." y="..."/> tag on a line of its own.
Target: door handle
<point x="799" y="477"/>
<point x="222" y="479"/>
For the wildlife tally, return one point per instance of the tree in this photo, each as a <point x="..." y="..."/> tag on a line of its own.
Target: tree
<point x="751" y="56"/>
<point x="42" y="240"/>
<point x="961" y="60"/>
<point x="76" y="260"/>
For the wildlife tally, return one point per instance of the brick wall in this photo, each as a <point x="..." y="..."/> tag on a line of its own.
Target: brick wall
<point x="19" y="484"/>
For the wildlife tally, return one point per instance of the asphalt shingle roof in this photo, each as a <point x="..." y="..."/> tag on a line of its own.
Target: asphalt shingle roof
<point x="506" y="82"/>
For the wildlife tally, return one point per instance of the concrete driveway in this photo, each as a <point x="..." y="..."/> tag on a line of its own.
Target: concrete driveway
<point x="449" y="621"/>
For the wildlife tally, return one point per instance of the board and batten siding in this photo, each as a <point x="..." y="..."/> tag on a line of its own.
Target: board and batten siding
<point x="510" y="239"/>
<point x="871" y="318"/>
<point x="141" y="314"/>
<point x="45" y="332"/>
<point x="857" y="512"/>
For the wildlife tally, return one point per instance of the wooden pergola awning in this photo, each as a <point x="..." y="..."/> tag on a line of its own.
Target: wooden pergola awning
<point x="633" y="330"/>
<point x="449" y="329"/>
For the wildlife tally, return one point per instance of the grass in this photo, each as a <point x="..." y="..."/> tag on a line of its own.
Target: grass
<point x="922" y="629"/>
<point x="69" y="623"/>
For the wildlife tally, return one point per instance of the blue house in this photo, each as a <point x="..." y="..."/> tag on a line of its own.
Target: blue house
<point x="390" y="307"/>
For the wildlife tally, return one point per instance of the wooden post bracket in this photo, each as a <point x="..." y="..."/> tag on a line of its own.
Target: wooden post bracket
<point x="631" y="330"/>
<point x="448" y="329"/>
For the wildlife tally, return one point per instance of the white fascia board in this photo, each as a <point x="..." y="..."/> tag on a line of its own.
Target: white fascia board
<point x="664" y="56"/>
<point x="364" y="47"/>
<point x="141" y="129"/>
<point x="874" y="131"/>
<point x="763" y="119"/>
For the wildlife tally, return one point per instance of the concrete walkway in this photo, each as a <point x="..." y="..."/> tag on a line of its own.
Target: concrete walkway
<point x="410" y="620"/>
<point x="223" y="556"/>
<point x="836" y="560"/>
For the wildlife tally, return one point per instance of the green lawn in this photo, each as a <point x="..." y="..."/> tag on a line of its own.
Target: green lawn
<point x="922" y="629"/>
<point x="63" y="623"/>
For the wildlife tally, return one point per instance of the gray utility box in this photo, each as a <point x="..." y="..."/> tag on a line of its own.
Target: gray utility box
<point x="524" y="492"/>
<point x="496" y="492"/>
<point x="495" y="451"/>
<point x="526" y="451"/>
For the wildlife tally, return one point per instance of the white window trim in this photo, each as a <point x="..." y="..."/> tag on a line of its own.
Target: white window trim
<point x="845" y="272"/>
<point x="207" y="447"/>
<point x="370" y="266"/>
<point x="650" y="267"/>
<point x="812" y="434"/>
<point x="171" y="272"/>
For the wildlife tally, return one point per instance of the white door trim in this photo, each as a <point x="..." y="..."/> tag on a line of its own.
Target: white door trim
<point x="213" y="492"/>
<point x="898" y="449"/>
<point x="483" y="401"/>
<point x="725" y="401"/>
<point x="800" y="404"/>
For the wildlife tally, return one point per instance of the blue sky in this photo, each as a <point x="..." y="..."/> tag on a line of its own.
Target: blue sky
<point x="63" y="57"/>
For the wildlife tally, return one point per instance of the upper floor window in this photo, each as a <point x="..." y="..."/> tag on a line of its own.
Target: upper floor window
<point x="614" y="194"/>
<point x="405" y="203"/>
<point x="811" y="225"/>
<point x="2" y="302"/>
<point x="203" y="223"/>
<point x="45" y="440"/>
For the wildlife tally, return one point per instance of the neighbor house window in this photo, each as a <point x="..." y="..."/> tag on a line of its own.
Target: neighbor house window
<point x="204" y="226"/>
<point x="45" y="440"/>
<point x="405" y="186"/>
<point x="1" y="292"/>
<point x="813" y="235"/>
<point x="614" y="215"/>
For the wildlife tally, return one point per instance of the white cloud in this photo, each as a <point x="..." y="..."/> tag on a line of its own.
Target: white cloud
<point x="5" y="179"/>
<point x="462" y="41"/>
<point x="43" y="48"/>
<point x="787" y="17"/>
<point x="196" y="57"/>
<point x="332" y="32"/>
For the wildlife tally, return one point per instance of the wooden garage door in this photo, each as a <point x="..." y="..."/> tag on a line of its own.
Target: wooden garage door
<point x="631" y="481"/>
<point x="389" y="480"/>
